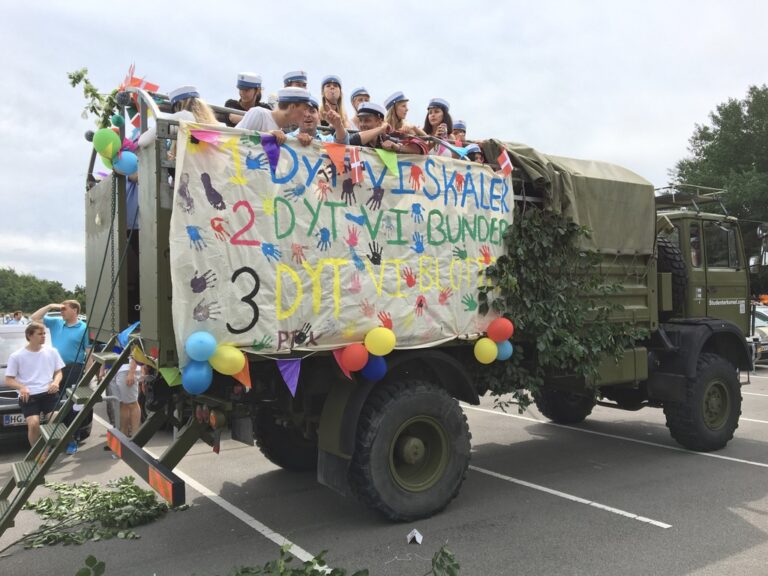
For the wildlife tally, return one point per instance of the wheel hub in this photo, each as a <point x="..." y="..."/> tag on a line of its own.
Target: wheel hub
<point x="716" y="405"/>
<point x="411" y="449"/>
<point x="419" y="454"/>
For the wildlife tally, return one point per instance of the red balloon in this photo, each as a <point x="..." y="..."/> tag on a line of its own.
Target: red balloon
<point x="354" y="357"/>
<point x="501" y="329"/>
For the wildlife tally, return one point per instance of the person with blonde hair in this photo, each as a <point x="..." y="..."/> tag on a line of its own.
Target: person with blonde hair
<point x="397" y="110"/>
<point x="333" y="99"/>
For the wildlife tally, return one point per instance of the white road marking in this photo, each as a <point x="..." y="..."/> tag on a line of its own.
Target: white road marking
<point x="246" y="518"/>
<point x="753" y="394"/>
<point x="572" y="498"/>
<point x="753" y="420"/>
<point x="616" y="437"/>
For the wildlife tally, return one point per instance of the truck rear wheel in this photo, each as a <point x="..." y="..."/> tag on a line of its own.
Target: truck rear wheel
<point x="284" y="445"/>
<point x="412" y="450"/>
<point x="709" y="415"/>
<point x="563" y="407"/>
<point x="671" y="260"/>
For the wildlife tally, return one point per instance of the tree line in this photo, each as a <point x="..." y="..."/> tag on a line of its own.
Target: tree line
<point x="27" y="293"/>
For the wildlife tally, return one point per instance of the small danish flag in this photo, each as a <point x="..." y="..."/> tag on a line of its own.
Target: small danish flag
<point x="356" y="165"/>
<point x="505" y="163"/>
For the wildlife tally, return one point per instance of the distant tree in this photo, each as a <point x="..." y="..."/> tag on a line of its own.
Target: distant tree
<point x="28" y="293"/>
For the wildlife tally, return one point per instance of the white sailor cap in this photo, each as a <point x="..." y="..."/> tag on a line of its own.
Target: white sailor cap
<point x="293" y="94"/>
<point x="371" y="108"/>
<point x="314" y="103"/>
<point x="393" y="99"/>
<point x="439" y="103"/>
<point x="460" y="125"/>
<point x="473" y="148"/>
<point x="331" y="78"/>
<point x="182" y="93"/>
<point x="248" y="80"/>
<point x="359" y="92"/>
<point x="295" y="76"/>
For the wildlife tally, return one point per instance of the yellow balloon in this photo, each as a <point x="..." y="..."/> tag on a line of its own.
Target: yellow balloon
<point x="380" y="341"/>
<point x="486" y="350"/>
<point x="227" y="359"/>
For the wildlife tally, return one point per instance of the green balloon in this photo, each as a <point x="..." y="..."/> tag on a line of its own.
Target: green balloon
<point x="107" y="162"/>
<point x="106" y="142"/>
<point x="117" y="120"/>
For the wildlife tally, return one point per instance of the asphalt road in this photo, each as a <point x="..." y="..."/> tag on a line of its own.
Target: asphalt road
<point x="614" y="495"/>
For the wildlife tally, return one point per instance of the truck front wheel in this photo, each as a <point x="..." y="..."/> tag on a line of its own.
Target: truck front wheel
<point x="412" y="450"/>
<point x="709" y="415"/>
<point x="563" y="407"/>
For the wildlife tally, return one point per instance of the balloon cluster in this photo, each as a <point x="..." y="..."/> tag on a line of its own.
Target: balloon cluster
<point x="368" y="358"/>
<point x="116" y="154"/>
<point x="208" y="356"/>
<point x="496" y="346"/>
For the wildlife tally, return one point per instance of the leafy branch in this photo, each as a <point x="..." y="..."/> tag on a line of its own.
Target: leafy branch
<point x="100" y="105"/>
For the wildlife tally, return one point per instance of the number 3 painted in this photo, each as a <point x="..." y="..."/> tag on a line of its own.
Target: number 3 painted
<point x="248" y="299"/>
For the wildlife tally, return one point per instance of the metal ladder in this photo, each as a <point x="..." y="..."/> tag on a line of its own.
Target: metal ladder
<point x="54" y="436"/>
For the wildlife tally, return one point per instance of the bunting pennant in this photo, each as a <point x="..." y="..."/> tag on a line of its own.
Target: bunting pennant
<point x="461" y="151"/>
<point x="122" y="337"/>
<point x="172" y="376"/>
<point x="389" y="159"/>
<point x="244" y="376"/>
<point x="336" y="153"/>
<point x="140" y="357"/>
<point x="356" y="165"/>
<point x="337" y="355"/>
<point x="290" y="370"/>
<point x="505" y="163"/>
<point x="271" y="149"/>
<point x="210" y="136"/>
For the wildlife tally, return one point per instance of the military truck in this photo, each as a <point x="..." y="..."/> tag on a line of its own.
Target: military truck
<point x="237" y="238"/>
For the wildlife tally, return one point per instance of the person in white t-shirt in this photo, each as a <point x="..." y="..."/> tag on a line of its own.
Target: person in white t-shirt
<point x="35" y="371"/>
<point x="292" y="103"/>
<point x="127" y="391"/>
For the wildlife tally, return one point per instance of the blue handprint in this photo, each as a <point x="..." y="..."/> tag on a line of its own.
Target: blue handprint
<point x="325" y="239"/>
<point x="357" y="261"/>
<point x="416" y="213"/>
<point x="260" y="162"/>
<point x="418" y="243"/>
<point x="270" y="251"/>
<point x="296" y="192"/>
<point x="196" y="240"/>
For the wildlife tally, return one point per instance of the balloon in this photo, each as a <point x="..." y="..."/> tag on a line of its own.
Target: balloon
<point x="196" y="377"/>
<point x="200" y="346"/>
<point x="485" y="350"/>
<point x="107" y="162"/>
<point x="354" y="357"/>
<point x="227" y="359"/>
<point x="380" y="341"/>
<point x="375" y="369"/>
<point x="126" y="163"/>
<point x="505" y="350"/>
<point x="106" y="142"/>
<point x="117" y="120"/>
<point x="501" y="329"/>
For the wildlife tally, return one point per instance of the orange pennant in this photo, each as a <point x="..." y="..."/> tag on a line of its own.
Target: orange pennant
<point x="336" y="153"/>
<point x="244" y="376"/>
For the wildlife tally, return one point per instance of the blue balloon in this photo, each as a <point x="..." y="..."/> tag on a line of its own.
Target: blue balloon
<point x="126" y="162"/>
<point x="505" y="350"/>
<point x="200" y="346"/>
<point x="196" y="377"/>
<point x="375" y="369"/>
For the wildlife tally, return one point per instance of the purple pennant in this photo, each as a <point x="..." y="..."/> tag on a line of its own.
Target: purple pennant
<point x="272" y="150"/>
<point x="290" y="370"/>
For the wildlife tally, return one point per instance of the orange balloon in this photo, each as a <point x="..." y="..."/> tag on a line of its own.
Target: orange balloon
<point x="501" y="329"/>
<point x="354" y="357"/>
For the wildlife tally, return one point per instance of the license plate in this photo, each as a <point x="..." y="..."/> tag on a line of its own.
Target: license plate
<point x="14" y="420"/>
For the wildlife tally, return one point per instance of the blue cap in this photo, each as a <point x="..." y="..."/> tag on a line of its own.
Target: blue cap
<point x="460" y="125"/>
<point x="293" y="94"/>
<point x="295" y="76"/>
<point x="439" y="103"/>
<point x="393" y="99"/>
<point x="371" y="108"/>
<point x="331" y="78"/>
<point x="248" y="80"/>
<point x="359" y="92"/>
<point x="182" y="93"/>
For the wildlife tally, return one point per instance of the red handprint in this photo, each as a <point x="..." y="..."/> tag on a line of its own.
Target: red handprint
<point x="417" y="176"/>
<point x="410" y="279"/>
<point x="445" y="293"/>
<point x="297" y="253"/>
<point x="355" y="286"/>
<point x="217" y="225"/>
<point x="459" y="182"/>
<point x="322" y="190"/>
<point x="421" y="303"/>
<point x="352" y="236"/>
<point x="368" y="309"/>
<point x="386" y="319"/>
<point x="485" y="252"/>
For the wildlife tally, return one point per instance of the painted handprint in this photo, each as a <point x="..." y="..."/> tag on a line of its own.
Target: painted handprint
<point x="469" y="302"/>
<point x="196" y="239"/>
<point x="302" y="335"/>
<point x="416" y="213"/>
<point x="389" y="227"/>
<point x="265" y="342"/>
<point x="409" y="277"/>
<point x="212" y="195"/>
<point x="374" y="202"/>
<point x="348" y="191"/>
<point x="270" y="251"/>
<point x="296" y="192"/>
<point x="367" y="308"/>
<point x="485" y="252"/>
<point x="459" y="182"/>
<point x="297" y="253"/>
<point x="324" y="239"/>
<point x="445" y="293"/>
<point x="352" y="236"/>
<point x="460" y="253"/>
<point x="201" y="283"/>
<point x="355" y="286"/>
<point x="417" y="176"/>
<point x="421" y="304"/>
<point x="206" y="311"/>
<point x="259" y="162"/>
<point x="356" y="260"/>
<point x="322" y="190"/>
<point x="418" y="243"/>
<point x="386" y="319"/>
<point x="217" y="225"/>
<point x="186" y="203"/>
<point x="375" y="255"/>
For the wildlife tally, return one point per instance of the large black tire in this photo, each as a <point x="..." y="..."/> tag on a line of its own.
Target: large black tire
<point x="285" y="446"/>
<point x="709" y="415"/>
<point x="563" y="407"/>
<point x="671" y="260"/>
<point x="412" y="450"/>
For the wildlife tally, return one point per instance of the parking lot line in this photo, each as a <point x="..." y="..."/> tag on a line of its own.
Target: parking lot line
<point x="241" y="515"/>
<point x="572" y="498"/>
<point x="754" y="394"/>
<point x="616" y="437"/>
<point x="753" y="420"/>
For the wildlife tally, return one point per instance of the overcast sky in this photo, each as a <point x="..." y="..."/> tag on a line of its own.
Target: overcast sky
<point x="624" y="82"/>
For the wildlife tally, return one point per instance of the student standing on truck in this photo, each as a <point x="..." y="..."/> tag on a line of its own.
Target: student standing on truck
<point x="292" y="104"/>
<point x="332" y="99"/>
<point x="295" y="79"/>
<point x="397" y="109"/>
<point x="35" y="371"/>
<point x="359" y="95"/>
<point x="307" y="130"/>
<point x="459" y="134"/>
<point x="249" y="86"/>
<point x="373" y="132"/>
<point x="438" y="123"/>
